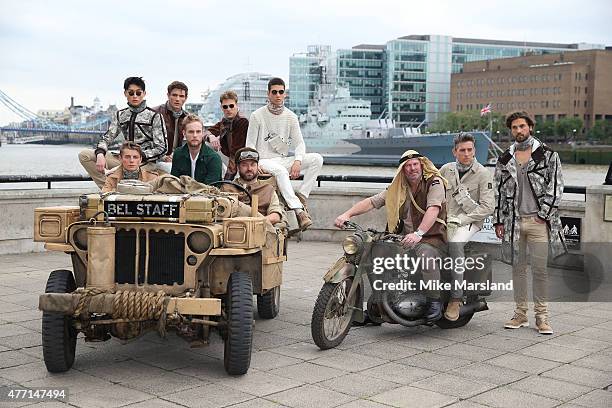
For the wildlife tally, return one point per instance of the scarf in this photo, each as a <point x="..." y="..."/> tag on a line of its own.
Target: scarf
<point x="398" y="189"/>
<point x="177" y="118"/>
<point x="139" y="108"/>
<point x="131" y="174"/>
<point x="522" y="146"/>
<point x="275" y="109"/>
<point x="463" y="168"/>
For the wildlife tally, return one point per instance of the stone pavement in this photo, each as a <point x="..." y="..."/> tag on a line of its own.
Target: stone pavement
<point x="479" y="365"/>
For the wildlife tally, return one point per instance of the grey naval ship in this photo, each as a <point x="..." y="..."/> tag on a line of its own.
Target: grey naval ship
<point x="340" y="127"/>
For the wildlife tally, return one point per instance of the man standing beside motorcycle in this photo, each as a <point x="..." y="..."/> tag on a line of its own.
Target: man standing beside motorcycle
<point x="470" y="200"/>
<point x="415" y="203"/>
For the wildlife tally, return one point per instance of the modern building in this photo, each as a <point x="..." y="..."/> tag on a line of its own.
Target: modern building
<point x="252" y="91"/>
<point x="408" y="79"/>
<point x="361" y="68"/>
<point x="551" y="86"/>
<point x="306" y="72"/>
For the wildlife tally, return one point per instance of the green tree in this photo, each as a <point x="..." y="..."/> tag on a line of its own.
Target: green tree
<point x="601" y="131"/>
<point x="466" y="121"/>
<point x="568" y="127"/>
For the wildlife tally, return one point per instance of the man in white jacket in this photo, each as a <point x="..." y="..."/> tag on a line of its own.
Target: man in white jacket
<point x="273" y="131"/>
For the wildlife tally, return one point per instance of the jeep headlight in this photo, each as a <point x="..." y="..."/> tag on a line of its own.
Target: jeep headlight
<point x="352" y="244"/>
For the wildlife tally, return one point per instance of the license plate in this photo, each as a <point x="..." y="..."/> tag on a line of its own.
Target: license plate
<point x="140" y="209"/>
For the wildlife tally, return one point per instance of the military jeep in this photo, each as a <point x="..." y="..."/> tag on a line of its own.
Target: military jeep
<point x="187" y="263"/>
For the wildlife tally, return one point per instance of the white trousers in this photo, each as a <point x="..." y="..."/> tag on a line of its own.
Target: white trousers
<point x="456" y="244"/>
<point x="279" y="168"/>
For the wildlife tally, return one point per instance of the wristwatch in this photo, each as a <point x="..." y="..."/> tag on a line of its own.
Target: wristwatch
<point x="419" y="233"/>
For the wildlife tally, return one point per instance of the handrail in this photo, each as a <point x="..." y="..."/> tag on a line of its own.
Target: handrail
<point x="331" y="178"/>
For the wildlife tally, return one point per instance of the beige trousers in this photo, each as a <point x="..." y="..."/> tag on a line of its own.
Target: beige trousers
<point x="534" y="236"/>
<point x="87" y="157"/>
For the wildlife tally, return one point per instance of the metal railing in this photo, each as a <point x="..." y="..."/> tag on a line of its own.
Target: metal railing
<point x="327" y="178"/>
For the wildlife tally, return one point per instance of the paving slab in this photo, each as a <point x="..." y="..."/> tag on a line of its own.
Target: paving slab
<point x="478" y="365"/>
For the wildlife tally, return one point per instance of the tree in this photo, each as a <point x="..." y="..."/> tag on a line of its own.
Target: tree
<point x="566" y="127"/>
<point x="601" y="130"/>
<point x="466" y="121"/>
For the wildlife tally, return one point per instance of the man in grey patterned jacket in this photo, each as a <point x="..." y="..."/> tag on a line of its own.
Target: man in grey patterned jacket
<point x="528" y="190"/>
<point x="137" y="123"/>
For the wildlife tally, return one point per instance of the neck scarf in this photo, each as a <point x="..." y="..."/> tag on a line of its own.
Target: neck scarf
<point x="139" y="108"/>
<point x="397" y="193"/>
<point x="177" y="118"/>
<point x="462" y="168"/>
<point x="276" y="109"/>
<point x="131" y="174"/>
<point x="522" y="146"/>
<point x="175" y="114"/>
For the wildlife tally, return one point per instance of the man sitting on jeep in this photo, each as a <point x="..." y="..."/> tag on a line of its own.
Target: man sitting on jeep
<point x="129" y="169"/>
<point x="416" y="207"/>
<point x="247" y="160"/>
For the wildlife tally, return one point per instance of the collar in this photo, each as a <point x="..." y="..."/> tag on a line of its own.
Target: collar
<point x="139" y="108"/>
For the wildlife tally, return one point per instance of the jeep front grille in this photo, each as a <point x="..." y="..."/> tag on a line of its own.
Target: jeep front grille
<point x="164" y="264"/>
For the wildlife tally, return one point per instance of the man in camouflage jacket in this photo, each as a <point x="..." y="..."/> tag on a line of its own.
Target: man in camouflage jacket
<point x="136" y="123"/>
<point x="528" y="190"/>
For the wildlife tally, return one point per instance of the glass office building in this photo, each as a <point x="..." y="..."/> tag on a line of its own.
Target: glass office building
<point x="362" y="70"/>
<point x="408" y="78"/>
<point x="306" y="71"/>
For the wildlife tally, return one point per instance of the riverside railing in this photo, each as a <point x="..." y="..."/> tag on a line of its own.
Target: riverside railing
<point x="17" y="179"/>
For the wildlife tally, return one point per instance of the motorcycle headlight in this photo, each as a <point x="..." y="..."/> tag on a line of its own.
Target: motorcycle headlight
<point x="351" y="244"/>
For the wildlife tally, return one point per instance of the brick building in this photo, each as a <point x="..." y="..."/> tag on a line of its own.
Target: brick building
<point x="550" y="87"/>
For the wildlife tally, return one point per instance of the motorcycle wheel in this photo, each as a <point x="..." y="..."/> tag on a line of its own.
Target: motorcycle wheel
<point x="333" y="314"/>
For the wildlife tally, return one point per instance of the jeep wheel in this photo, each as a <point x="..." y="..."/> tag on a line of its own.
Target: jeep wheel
<point x="239" y="312"/>
<point x="333" y="314"/>
<point x="58" y="334"/>
<point x="268" y="304"/>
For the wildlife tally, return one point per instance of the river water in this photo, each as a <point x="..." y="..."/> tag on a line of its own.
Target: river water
<point x="63" y="160"/>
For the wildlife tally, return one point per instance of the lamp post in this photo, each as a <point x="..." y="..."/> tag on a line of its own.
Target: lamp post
<point x="498" y="136"/>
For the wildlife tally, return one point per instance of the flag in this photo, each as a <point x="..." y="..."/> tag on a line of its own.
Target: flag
<point x="485" y="110"/>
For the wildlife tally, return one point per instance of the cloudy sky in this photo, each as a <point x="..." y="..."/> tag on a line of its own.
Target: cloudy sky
<point x="52" y="50"/>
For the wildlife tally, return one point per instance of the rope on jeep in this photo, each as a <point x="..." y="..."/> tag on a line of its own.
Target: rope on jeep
<point x="85" y="299"/>
<point x="139" y="305"/>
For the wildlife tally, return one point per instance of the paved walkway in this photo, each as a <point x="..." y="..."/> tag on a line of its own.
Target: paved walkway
<point x="479" y="365"/>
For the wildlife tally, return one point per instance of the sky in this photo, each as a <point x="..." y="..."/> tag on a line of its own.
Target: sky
<point x="52" y="50"/>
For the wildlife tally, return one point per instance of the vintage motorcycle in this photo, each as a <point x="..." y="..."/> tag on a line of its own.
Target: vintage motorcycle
<point x="340" y="304"/>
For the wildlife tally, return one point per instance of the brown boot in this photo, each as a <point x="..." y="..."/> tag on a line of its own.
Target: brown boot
<point x="452" y="310"/>
<point x="543" y="325"/>
<point x="302" y="199"/>
<point x="304" y="220"/>
<point x="517" y="321"/>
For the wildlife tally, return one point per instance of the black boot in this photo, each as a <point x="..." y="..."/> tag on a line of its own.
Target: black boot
<point x="434" y="311"/>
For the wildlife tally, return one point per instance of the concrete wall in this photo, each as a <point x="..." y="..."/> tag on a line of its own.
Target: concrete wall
<point x="17" y="215"/>
<point x="325" y="204"/>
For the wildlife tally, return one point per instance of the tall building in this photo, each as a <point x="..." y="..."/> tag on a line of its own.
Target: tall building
<point x="361" y="68"/>
<point x="306" y="72"/>
<point x="551" y="87"/>
<point x="408" y="79"/>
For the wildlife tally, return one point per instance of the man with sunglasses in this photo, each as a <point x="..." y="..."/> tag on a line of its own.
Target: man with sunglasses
<point x="137" y="123"/>
<point x="229" y="134"/>
<point x="173" y="113"/>
<point x="273" y="130"/>
<point x="247" y="160"/>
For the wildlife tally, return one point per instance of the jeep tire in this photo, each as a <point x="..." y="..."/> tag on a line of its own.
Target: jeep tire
<point x="268" y="304"/>
<point x="239" y="314"/>
<point x="58" y="334"/>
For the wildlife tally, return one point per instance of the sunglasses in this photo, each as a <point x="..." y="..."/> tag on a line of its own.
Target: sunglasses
<point x="280" y="92"/>
<point x="131" y="93"/>
<point x="248" y="155"/>
<point x="230" y="106"/>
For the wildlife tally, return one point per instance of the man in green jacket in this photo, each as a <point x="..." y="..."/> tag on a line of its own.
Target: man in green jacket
<point x="195" y="158"/>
